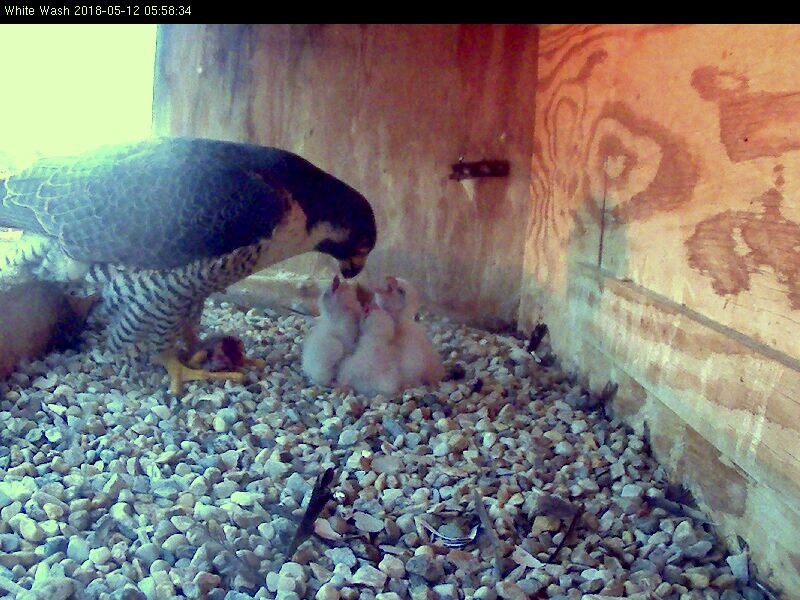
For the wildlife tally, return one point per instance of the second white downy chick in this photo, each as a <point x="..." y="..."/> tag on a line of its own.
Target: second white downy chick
<point x="419" y="361"/>
<point x="373" y="368"/>
<point x="333" y="335"/>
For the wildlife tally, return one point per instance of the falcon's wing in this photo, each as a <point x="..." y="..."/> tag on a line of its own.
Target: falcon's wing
<point x="156" y="204"/>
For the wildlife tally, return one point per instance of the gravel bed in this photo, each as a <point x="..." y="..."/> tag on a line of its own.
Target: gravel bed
<point x="112" y="488"/>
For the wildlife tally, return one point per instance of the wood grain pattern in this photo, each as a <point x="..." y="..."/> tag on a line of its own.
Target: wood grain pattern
<point x="388" y="109"/>
<point x="664" y="236"/>
<point x="673" y="159"/>
<point x="739" y="396"/>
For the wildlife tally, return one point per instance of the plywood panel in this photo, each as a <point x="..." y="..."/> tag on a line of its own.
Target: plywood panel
<point x="388" y="109"/>
<point x="682" y="144"/>
<point x="737" y="395"/>
<point x="662" y="251"/>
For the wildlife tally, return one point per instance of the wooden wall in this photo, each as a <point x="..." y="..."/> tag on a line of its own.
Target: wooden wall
<point x="388" y="109"/>
<point x="651" y="217"/>
<point x="663" y="252"/>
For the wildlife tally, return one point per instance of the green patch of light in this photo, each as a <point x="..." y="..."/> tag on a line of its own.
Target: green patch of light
<point x="68" y="88"/>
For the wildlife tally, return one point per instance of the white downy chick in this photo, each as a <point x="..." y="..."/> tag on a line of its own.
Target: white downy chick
<point x="334" y="333"/>
<point x="373" y="368"/>
<point x="420" y="363"/>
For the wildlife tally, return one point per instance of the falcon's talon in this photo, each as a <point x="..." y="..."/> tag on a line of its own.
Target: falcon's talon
<point x="180" y="373"/>
<point x="197" y="359"/>
<point x="258" y="363"/>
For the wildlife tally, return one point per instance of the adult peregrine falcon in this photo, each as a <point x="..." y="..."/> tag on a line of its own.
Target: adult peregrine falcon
<point x="163" y="223"/>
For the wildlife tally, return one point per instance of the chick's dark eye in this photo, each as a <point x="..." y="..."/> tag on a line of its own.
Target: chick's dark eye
<point x="402" y="291"/>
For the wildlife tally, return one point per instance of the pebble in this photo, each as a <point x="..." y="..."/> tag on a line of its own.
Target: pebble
<point x="631" y="490"/>
<point x="147" y="553"/>
<point x="684" y="535"/>
<point x="429" y="568"/>
<point x="246" y="498"/>
<point x="387" y="464"/>
<point x="369" y="576"/>
<point x="392" y="566"/>
<point x="29" y="529"/>
<point x="740" y="566"/>
<point x="348" y="437"/>
<point x="578" y="426"/>
<point x="485" y="593"/>
<point x="18" y="490"/>
<point x="368" y="523"/>
<point x="78" y="549"/>
<point x="327" y="592"/>
<point x="697" y="580"/>
<point x="100" y="556"/>
<point x="446" y="591"/>
<point x="699" y="549"/>
<point x="508" y="590"/>
<point x="564" y="448"/>
<point x="342" y="556"/>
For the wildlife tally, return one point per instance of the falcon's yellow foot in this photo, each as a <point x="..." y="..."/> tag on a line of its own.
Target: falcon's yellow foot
<point x="197" y="359"/>
<point x="180" y="373"/>
<point x="200" y="357"/>
<point x="258" y="363"/>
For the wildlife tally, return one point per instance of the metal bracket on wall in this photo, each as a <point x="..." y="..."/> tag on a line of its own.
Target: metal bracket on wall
<point x="481" y="168"/>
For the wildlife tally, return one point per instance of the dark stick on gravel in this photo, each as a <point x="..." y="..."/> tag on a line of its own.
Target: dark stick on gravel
<point x="319" y="498"/>
<point x="536" y="337"/>
<point x="567" y="533"/>
<point x="486" y="523"/>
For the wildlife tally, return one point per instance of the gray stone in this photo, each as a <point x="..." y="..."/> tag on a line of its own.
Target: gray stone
<point x="368" y="523"/>
<point x="78" y="549"/>
<point x="369" y="576"/>
<point x="9" y="542"/>
<point x="698" y="549"/>
<point x="740" y="566"/>
<point x="430" y="568"/>
<point x="297" y="486"/>
<point x="148" y="553"/>
<point x="631" y="490"/>
<point x="348" y="437"/>
<point x="684" y="535"/>
<point x="342" y="555"/>
<point x="564" y="448"/>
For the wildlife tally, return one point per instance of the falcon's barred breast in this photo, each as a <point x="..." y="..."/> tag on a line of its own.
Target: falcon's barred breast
<point x="163" y="223"/>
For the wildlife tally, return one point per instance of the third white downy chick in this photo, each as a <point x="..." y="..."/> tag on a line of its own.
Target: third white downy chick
<point x="373" y="368"/>
<point x="419" y="361"/>
<point x="333" y="335"/>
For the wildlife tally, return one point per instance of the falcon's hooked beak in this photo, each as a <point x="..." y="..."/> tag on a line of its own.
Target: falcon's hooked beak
<point x="349" y="269"/>
<point x="352" y="266"/>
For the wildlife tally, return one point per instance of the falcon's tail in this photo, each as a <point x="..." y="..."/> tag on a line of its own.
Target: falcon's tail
<point x="19" y="258"/>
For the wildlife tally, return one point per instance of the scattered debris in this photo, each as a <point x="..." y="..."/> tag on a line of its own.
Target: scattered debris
<point x="537" y="335"/>
<point x="452" y="542"/>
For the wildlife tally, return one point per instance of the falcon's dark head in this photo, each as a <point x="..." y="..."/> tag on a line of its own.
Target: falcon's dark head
<point x="341" y="211"/>
<point x="351" y="253"/>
